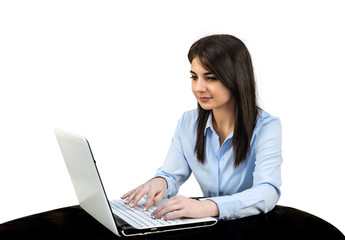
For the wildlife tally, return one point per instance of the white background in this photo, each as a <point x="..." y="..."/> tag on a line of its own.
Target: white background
<point x="118" y="73"/>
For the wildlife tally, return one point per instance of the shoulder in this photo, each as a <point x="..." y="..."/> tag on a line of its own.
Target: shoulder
<point x="267" y="126"/>
<point x="267" y="139"/>
<point x="265" y="119"/>
<point x="186" y="129"/>
<point x="189" y="118"/>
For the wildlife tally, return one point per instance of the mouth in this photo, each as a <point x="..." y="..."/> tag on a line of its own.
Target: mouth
<point x="204" y="99"/>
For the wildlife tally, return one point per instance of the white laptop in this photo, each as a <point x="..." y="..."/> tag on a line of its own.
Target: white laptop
<point x="114" y="215"/>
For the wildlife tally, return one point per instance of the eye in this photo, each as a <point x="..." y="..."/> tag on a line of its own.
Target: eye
<point x="212" y="78"/>
<point x="193" y="77"/>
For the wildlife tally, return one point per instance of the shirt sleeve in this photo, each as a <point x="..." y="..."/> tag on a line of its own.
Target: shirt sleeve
<point x="265" y="192"/>
<point x="175" y="169"/>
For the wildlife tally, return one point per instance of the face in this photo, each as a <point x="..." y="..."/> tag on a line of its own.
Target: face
<point x="210" y="92"/>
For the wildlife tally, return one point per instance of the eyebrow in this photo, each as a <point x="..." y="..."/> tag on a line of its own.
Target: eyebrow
<point x="205" y="74"/>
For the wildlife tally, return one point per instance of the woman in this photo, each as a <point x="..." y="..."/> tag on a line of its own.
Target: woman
<point x="232" y="147"/>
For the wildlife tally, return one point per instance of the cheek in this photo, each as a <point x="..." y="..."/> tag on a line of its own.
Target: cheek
<point x="227" y="94"/>
<point x="222" y="92"/>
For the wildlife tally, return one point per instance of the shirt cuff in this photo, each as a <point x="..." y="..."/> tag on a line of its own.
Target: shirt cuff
<point x="228" y="207"/>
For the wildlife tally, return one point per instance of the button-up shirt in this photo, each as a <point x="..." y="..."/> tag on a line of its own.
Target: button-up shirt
<point x="249" y="189"/>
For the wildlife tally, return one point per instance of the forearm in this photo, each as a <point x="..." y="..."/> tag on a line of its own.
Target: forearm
<point x="260" y="199"/>
<point x="180" y="206"/>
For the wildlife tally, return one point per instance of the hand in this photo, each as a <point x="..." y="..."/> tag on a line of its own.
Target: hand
<point x="181" y="206"/>
<point x="155" y="190"/>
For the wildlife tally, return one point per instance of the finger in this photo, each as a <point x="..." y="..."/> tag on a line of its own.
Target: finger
<point x="131" y="194"/>
<point x="158" y="197"/>
<point x="152" y="199"/>
<point x="171" y="201"/>
<point x="149" y="201"/>
<point x="166" y="210"/>
<point x="173" y="215"/>
<point x="136" y="196"/>
<point x="127" y="194"/>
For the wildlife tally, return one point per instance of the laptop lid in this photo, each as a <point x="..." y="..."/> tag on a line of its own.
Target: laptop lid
<point x="87" y="183"/>
<point x="90" y="192"/>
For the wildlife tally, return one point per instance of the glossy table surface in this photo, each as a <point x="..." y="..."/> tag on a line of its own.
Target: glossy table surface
<point x="74" y="223"/>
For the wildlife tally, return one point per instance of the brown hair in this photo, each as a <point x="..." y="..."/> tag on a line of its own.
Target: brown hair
<point x="229" y="60"/>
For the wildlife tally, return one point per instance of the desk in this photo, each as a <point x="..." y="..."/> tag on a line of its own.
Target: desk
<point x="74" y="223"/>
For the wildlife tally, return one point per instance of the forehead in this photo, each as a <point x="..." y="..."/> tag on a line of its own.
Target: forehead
<point x="197" y="67"/>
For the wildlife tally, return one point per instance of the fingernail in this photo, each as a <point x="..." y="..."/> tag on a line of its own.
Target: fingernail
<point x="132" y="204"/>
<point x="145" y="209"/>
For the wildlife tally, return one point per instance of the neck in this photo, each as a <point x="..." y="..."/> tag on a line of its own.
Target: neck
<point x="224" y="121"/>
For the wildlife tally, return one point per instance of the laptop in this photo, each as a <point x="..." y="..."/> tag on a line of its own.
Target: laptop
<point x="118" y="217"/>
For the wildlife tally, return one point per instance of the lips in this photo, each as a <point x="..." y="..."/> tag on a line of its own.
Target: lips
<point x="204" y="99"/>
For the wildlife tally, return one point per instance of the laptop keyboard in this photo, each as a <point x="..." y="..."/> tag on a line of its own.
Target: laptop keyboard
<point x="137" y="217"/>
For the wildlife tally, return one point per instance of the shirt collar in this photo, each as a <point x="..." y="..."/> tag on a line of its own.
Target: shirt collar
<point x="209" y="124"/>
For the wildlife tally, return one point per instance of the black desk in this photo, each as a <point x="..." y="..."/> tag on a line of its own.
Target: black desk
<point x="75" y="223"/>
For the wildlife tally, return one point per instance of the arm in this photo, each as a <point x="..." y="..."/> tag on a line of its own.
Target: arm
<point x="175" y="169"/>
<point x="181" y="206"/>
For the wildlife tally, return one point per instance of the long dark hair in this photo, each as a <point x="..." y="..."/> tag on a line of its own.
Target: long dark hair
<point x="229" y="60"/>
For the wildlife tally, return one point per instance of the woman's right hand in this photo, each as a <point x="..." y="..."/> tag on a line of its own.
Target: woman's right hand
<point x="155" y="190"/>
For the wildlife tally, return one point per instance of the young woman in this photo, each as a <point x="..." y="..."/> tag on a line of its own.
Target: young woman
<point x="232" y="146"/>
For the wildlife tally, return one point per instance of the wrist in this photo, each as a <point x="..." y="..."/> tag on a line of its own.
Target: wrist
<point x="210" y="207"/>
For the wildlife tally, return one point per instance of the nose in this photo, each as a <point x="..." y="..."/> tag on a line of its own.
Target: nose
<point x="200" y="85"/>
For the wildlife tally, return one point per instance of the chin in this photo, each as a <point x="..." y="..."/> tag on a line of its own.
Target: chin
<point x="206" y="106"/>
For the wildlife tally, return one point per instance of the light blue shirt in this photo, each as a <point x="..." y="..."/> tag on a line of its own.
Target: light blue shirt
<point x="249" y="189"/>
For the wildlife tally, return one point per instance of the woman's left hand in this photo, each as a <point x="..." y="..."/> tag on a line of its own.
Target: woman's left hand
<point x="180" y="206"/>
